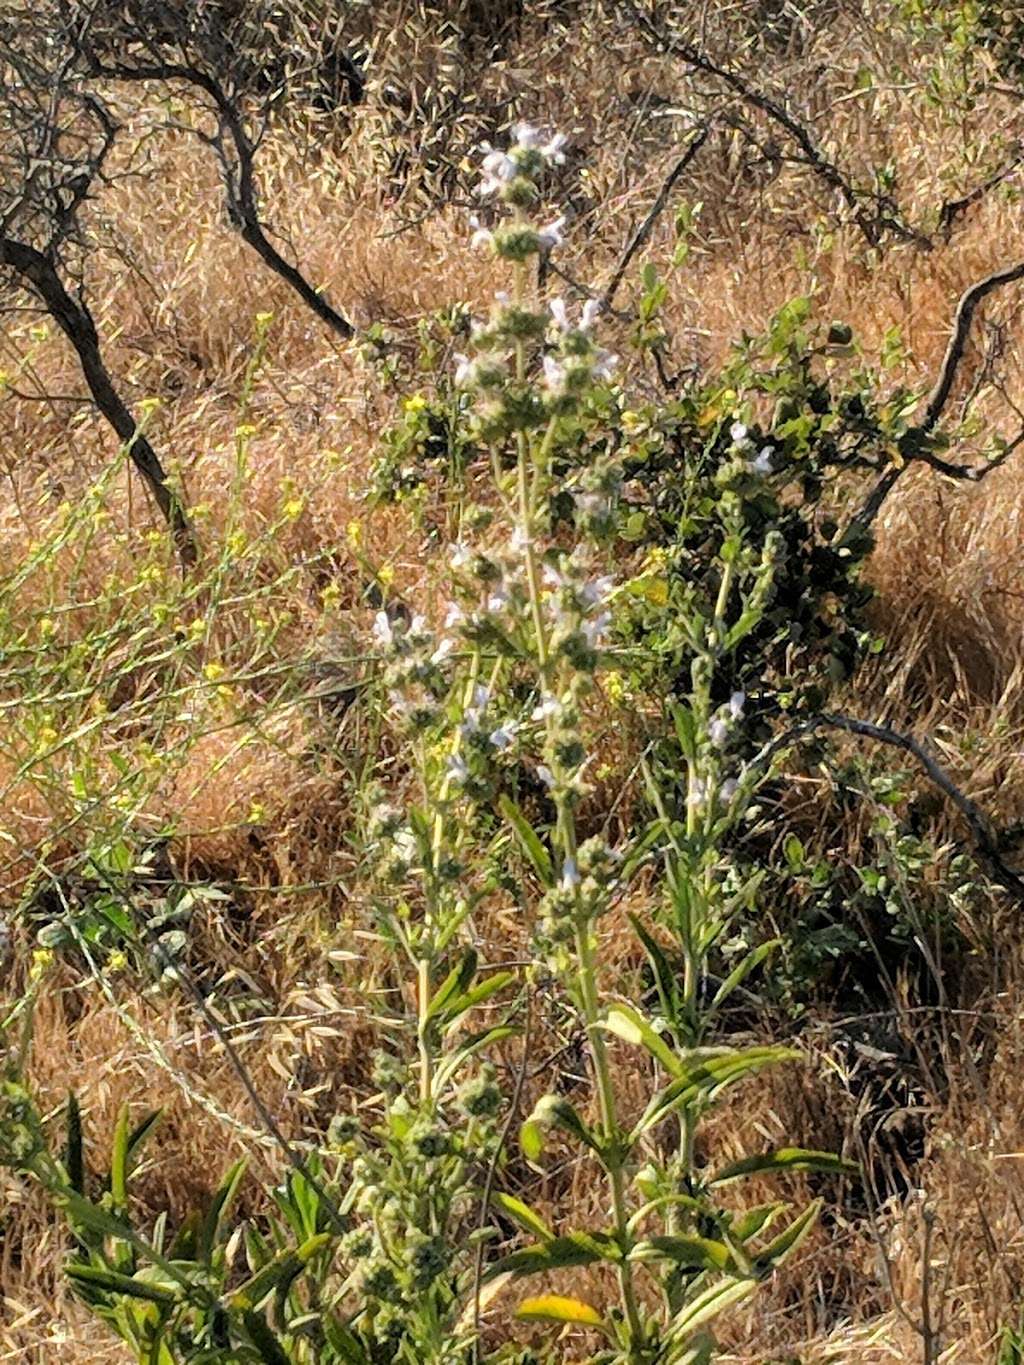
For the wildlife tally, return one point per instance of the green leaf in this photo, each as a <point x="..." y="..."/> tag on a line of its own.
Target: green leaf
<point x="553" y="1111"/>
<point x="538" y="856"/>
<point x="778" y="1251"/>
<point x="686" y="729"/>
<point x="455" y="983"/>
<point x="742" y="970"/>
<point x="694" y="1253"/>
<point x="270" y="1349"/>
<point x="522" y="1215"/>
<point x="74" y="1156"/>
<point x="703" y="1079"/>
<point x="630" y="1025"/>
<point x="531" y="1140"/>
<point x="666" y="978"/>
<point x="575" y="1249"/>
<point x="447" y="1068"/>
<point x="470" y="999"/>
<point x="282" y="1268"/>
<point x="793" y="850"/>
<point x="219" y="1209"/>
<point x="98" y="1277"/>
<point x="786" y="1159"/>
<point x="706" y="1306"/>
<point x="119" y="1160"/>
<point x="558" y="1308"/>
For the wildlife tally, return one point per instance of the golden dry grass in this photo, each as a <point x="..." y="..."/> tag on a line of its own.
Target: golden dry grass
<point x="234" y="772"/>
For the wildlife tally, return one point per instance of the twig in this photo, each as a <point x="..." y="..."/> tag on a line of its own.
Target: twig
<point x="986" y="842"/>
<point x="913" y="445"/>
<point x="952" y="208"/>
<point x="644" y="230"/>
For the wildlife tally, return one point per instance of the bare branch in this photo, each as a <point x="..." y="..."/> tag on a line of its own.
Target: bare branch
<point x="953" y="208"/>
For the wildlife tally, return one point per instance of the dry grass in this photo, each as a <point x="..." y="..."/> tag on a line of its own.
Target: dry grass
<point x="241" y="772"/>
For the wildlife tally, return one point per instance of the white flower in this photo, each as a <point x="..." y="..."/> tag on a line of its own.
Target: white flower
<point x="552" y="149"/>
<point x="591" y="312"/>
<point x="481" y="696"/>
<point x="457" y="769"/>
<point x="502" y="737"/>
<point x="763" y="463"/>
<point x="498" y="600"/>
<point x="570" y="874"/>
<point x="482" y="237"/>
<point x="738" y="433"/>
<point x="453" y="616"/>
<point x="405" y="845"/>
<point x="527" y="136"/>
<point x="383" y="631"/>
<point x="553" y="577"/>
<point x="417" y="624"/>
<point x="465" y="370"/>
<point x="559" y="313"/>
<point x="554" y="373"/>
<point x="442" y="651"/>
<point x="605" y="364"/>
<point x="595" y="629"/>
<point x="697" y="794"/>
<point x="728" y="789"/>
<point x="546" y="775"/>
<point x="459" y="555"/>
<point x="718" y="733"/>
<point x="499" y="169"/>
<point x="551" y="236"/>
<point x="736" y="704"/>
<point x="547" y="706"/>
<point x="598" y="589"/>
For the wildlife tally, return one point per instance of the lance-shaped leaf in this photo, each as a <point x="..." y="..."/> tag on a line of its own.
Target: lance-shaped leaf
<point x="523" y="1216"/>
<point x="705" y="1079"/>
<point x="281" y="1269"/>
<point x="666" y="976"/>
<point x="482" y="991"/>
<point x="742" y="970"/>
<point x="529" y="841"/>
<point x="574" y="1249"/>
<point x="693" y="1253"/>
<point x="112" y="1282"/>
<point x="786" y="1159"/>
<point x="553" y="1111"/>
<point x="454" y="984"/>
<point x="558" y="1308"/>
<point x="705" y="1307"/>
<point x="447" y="1068"/>
<point x="74" y="1156"/>
<point x="220" y="1208"/>
<point x="631" y="1026"/>
<point x="779" y="1250"/>
<point x="270" y="1349"/>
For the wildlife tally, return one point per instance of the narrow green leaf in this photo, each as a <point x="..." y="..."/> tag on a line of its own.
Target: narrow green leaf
<point x="742" y="970"/>
<point x="704" y="1079"/>
<point x="119" y="1160"/>
<point x="538" y="856"/>
<point x="630" y="1025"/>
<point x="778" y="1251"/>
<point x="270" y="1349"/>
<point x="455" y="983"/>
<point x="706" y="1306"/>
<point x="666" y="978"/>
<point x="284" y="1266"/>
<point x="523" y="1216"/>
<point x="686" y="729"/>
<point x="111" y="1281"/>
<point x="470" y="999"/>
<point x="693" y="1253"/>
<point x="786" y="1159"/>
<point x="575" y="1249"/>
<point x="447" y="1068"/>
<point x="74" y="1155"/>
<point x="220" y="1207"/>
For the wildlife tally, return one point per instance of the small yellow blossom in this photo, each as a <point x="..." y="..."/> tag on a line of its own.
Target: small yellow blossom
<point x="415" y="404"/>
<point x="42" y="958"/>
<point x="293" y="508"/>
<point x="213" y="671"/>
<point x="354" y="534"/>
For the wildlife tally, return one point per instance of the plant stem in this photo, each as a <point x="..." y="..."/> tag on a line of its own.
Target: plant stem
<point x="423" y="1001"/>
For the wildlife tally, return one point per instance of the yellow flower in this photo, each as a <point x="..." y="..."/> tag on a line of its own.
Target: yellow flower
<point x="42" y="958"/>
<point x="213" y="671"/>
<point x="293" y="508"/>
<point x="354" y="534"/>
<point x="415" y="404"/>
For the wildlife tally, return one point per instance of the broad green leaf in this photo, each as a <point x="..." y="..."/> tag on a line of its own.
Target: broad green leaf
<point x="630" y="1025"/>
<point x="575" y="1249"/>
<point x="786" y="1159"/>
<point x="742" y="970"/>
<point x="538" y="856"/>
<point x="558" y="1308"/>
<point x="531" y="1140"/>
<point x="219" y="1209"/>
<point x="553" y="1111"/>
<point x="695" y="1253"/>
<point x="755" y="1220"/>
<point x="523" y="1216"/>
